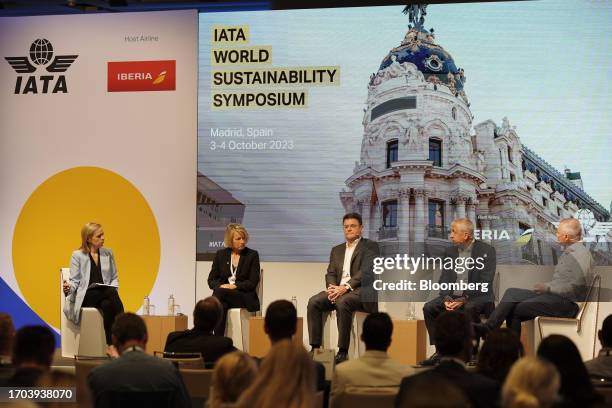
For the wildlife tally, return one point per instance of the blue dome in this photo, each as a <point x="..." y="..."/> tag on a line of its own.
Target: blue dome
<point x="431" y="59"/>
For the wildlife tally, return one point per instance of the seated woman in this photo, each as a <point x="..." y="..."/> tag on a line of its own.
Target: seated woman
<point x="93" y="279"/>
<point x="234" y="373"/>
<point x="234" y="275"/>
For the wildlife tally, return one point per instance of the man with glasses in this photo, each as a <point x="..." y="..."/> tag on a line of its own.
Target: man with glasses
<point x="350" y="264"/>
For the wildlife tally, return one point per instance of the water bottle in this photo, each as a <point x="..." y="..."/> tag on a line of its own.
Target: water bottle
<point x="171" y="305"/>
<point x="145" y="306"/>
<point x="294" y="301"/>
<point x="410" y="312"/>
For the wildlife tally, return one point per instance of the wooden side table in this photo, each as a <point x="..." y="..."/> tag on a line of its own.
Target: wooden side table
<point x="409" y="341"/>
<point x="158" y="328"/>
<point x="259" y="344"/>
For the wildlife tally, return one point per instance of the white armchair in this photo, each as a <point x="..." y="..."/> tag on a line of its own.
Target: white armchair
<point x="237" y="323"/>
<point x="330" y="333"/>
<point x="582" y="329"/>
<point x="86" y="339"/>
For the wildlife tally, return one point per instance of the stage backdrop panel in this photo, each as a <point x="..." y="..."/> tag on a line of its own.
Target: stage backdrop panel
<point x="98" y="123"/>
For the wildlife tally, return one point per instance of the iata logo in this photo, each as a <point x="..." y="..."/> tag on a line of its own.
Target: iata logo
<point x="41" y="55"/>
<point x="137" y="76"/>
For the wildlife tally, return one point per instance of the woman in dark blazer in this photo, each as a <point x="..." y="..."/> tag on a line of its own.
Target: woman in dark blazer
<point x="234" y="275"/>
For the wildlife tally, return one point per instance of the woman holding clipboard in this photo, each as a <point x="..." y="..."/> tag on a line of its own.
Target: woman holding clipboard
<point x="93" y="279"/>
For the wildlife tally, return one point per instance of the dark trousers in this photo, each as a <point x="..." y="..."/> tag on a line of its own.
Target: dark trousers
<point x="229" y="298"/>
<point x="519" y="305"/>
<point x="345" y="306"/>
<point x="435" y="307"/>
<point x="107" y="301"/>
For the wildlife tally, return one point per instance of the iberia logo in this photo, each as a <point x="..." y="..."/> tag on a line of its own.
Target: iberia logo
<point x="138" y="76"/>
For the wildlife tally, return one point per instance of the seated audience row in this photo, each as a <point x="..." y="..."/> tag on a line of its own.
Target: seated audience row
<point x="288" y="377"/>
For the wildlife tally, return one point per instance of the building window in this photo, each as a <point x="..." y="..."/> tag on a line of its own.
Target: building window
<point x="559" y="211"/>
<point x="389" y="213"/>
<point x="435" y="152"/>
<point x="510" y="155"/>
<point x="436" y="213"/>
<point x="512" y="178"/>
<point x="391" y="152"/>
<point x="454" y="113"/>
<point x="544" y="202"/>
<point x="529" y="189"/>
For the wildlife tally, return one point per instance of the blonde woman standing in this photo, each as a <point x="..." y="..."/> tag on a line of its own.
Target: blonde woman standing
<point x="93" y="279"/>
<point x="234" y="275"/>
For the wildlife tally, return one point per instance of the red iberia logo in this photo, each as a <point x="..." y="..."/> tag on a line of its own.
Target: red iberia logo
<point x="137" y="76"/>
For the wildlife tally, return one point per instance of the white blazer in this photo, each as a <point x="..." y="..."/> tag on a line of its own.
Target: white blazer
<point x="80" y="266"/>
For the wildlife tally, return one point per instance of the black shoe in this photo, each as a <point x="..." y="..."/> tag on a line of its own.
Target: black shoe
<point x="341" y="357"/>
<point x="431" y="361"/>
<point x="481" y="330"/>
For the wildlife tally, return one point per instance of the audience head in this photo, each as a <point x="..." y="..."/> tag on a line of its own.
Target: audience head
<point x="234" y="373"/>
<point x="432" y="392"/>
<point x="569" y="231"/>
<point x="605" y="334"/>
<point x="236" y="237"/>
<point x="462" y="231"/>
<point x="576" y="385"/>
<point x="286" y="379"/>
<point x="531" y="383"/>
<point x="501" y="349"/>
<point x="453" y="335"/>
<point x="7" y="333"/>
<point x="58" y="379"/>
<point x="34" y="347"/>
<point x="377" y="331"/>
<point x="281" y="320"/>
<point x="129" y="330"/>
<point x="207" y="313"/>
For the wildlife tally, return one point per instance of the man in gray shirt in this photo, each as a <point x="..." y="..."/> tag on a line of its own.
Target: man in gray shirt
<point x="556" y="298"/>
<point x="136" y="377"/>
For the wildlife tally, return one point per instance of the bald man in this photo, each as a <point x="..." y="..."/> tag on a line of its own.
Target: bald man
<point x="472" y="302"/>
<point x="556" y="298"/>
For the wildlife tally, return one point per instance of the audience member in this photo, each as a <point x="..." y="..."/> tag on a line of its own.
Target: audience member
<point x="453" y="339"/>
<point x="280" y="323"/>
<point x="58" y="379"/>
<point x="501" y="349"/>
<point x="134" y="370"/>
<point x="531" y="383"/>
<point x="286" y="379"/>
<point x="601" y="366"/>
<point x="206" y="315"/>
<point x="431" y="392"/>
<point x="234" y="373"/>
<point x="374" y="367"/>
<point x="7" y="335"/>
<point x="576" y="388"/>
<point x="32" y="355"/>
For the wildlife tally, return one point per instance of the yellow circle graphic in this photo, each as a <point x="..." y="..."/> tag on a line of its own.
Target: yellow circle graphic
<point x="48" y="230"/>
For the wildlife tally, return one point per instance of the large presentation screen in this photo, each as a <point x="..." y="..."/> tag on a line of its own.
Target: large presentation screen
<point x="412" y="117"/>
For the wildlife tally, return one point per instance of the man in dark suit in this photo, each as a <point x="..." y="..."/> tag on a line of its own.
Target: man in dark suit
<point x="135" y="372"/>
<point x="454" y="343"/>
<point x="280" y="323"/>
<point x="349" y="285"/>
<point x="200" y="339"/>
<point x="473" y="302"/>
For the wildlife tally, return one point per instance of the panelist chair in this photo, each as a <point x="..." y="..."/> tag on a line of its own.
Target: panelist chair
<point x="582" y="329"/>
<point x="330" y="333"/>
<point x="237" y="323"/>
<point x="86" y="339"/>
